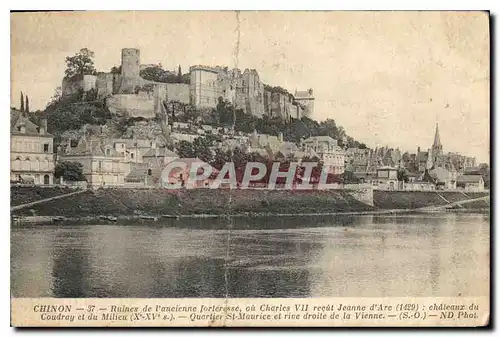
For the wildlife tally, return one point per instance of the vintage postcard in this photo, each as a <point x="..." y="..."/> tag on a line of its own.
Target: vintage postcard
<point x="246" y="168"/>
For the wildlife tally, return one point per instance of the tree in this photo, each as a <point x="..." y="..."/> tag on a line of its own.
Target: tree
<point x="69" y="170"/>
<point x="155" y="73"/>
<point x="82" y="63"/>
<point x="185" y="149"/>
<point x="27" y="106"/>
<point x="116" y="70"/>
<point x="22" y="102"/>
<point x="403" y="175"/>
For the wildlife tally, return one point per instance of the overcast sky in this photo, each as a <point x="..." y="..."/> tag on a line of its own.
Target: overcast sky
<point x="386" y="77"/>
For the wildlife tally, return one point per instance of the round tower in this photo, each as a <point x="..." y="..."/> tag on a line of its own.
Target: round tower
<point x="130" y="62"/>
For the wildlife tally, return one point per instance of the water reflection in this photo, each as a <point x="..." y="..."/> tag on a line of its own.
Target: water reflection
<point x="413" y="255"/>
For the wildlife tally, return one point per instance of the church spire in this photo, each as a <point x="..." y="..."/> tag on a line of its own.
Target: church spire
<point x="437" y="148"/>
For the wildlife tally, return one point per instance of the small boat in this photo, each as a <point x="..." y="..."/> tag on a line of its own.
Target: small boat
<point x="58" y="218"/>
<point x="148" y="217"/>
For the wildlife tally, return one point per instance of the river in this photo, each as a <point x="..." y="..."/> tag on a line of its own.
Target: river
<point x="343" y="256"/>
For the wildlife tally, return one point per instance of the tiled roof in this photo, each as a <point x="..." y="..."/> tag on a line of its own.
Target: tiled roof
<point x="162" y="152"/>
<point x="17" y="119"/>
<point x="94" y="147"/>
<point x="472" y="178"/>
<point x="320" y="139"/>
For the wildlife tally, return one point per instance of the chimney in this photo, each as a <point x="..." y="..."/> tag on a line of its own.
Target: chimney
<point x="43" y="126"/>
<point x="418" y="150"/>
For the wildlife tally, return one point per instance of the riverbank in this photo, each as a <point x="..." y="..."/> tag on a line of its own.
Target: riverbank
<point x="154" y="204"/>
<point x="137" y="202"/>
<point x="421" y="199"/>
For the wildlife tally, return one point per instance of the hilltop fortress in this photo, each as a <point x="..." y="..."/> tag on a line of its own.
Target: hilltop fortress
<point x="128" y="94"/>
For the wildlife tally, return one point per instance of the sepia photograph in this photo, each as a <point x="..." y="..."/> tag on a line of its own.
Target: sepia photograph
<point x="250" y="168"/>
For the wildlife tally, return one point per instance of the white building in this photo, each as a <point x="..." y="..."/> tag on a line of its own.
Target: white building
<point x="102" y="164"/>
<point x="328" y="152"/>
<point x="31" y="151"/>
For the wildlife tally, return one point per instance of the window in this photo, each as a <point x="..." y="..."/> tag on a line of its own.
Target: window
<point x="132" y="156"/>
<point x="149" y="172"/>
<point x="108" y="152"/>
<point x="100" y="166"/>
<point x="45" y="148"/>
<point x="123" y="145"/>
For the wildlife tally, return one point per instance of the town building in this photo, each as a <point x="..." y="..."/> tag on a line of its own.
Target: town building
<point x="31" y="151"/>
<point x="387" y="178"/>
<point x="328" y="152"/>
<point x="444" y="178"/>
<point x="104" y="164"/>
<point x="471" y="182"/>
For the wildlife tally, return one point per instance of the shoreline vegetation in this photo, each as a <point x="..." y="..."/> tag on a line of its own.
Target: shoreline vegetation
<point x="111" y="205"/>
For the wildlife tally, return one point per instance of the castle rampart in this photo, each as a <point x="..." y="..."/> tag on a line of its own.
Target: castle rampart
<point x="207" y="84"/>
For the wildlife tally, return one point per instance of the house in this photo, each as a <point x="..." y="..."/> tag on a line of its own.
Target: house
<point x="423" y="160"/>
<point x="133" y="149"/>
<point x="160" y="155"/>
<point x="31" y="151"/>
<point x="328" y="152"/>
<point x="473" y="182"/>
<point x="144" y="175"/>
<point x="387" y="178"/>
<point x="102" y="164"/>
<point x="177" y="137"/>
<point x="445" y="179"/>
<point x="181" y="126"/>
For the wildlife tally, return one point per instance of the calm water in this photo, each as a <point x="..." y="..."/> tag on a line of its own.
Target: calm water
<point x="414" y="255"/>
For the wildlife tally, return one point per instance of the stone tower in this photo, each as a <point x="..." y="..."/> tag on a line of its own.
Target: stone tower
<point x="437" y="148"/>
<point x="130" y="62"/>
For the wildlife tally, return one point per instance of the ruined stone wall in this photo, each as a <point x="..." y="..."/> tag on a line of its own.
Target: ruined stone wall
<point x="178" y="92"/>
<point x="74" y="84"/>
<point x="136" y="105"/>
<point x="104" y="85"/>
<point x="278" y="105"/>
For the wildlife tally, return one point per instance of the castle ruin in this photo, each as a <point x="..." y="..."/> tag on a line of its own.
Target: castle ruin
<point x="127" y="93"/>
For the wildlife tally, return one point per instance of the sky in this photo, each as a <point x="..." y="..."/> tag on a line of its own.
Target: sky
<point x="386" y="77"/>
